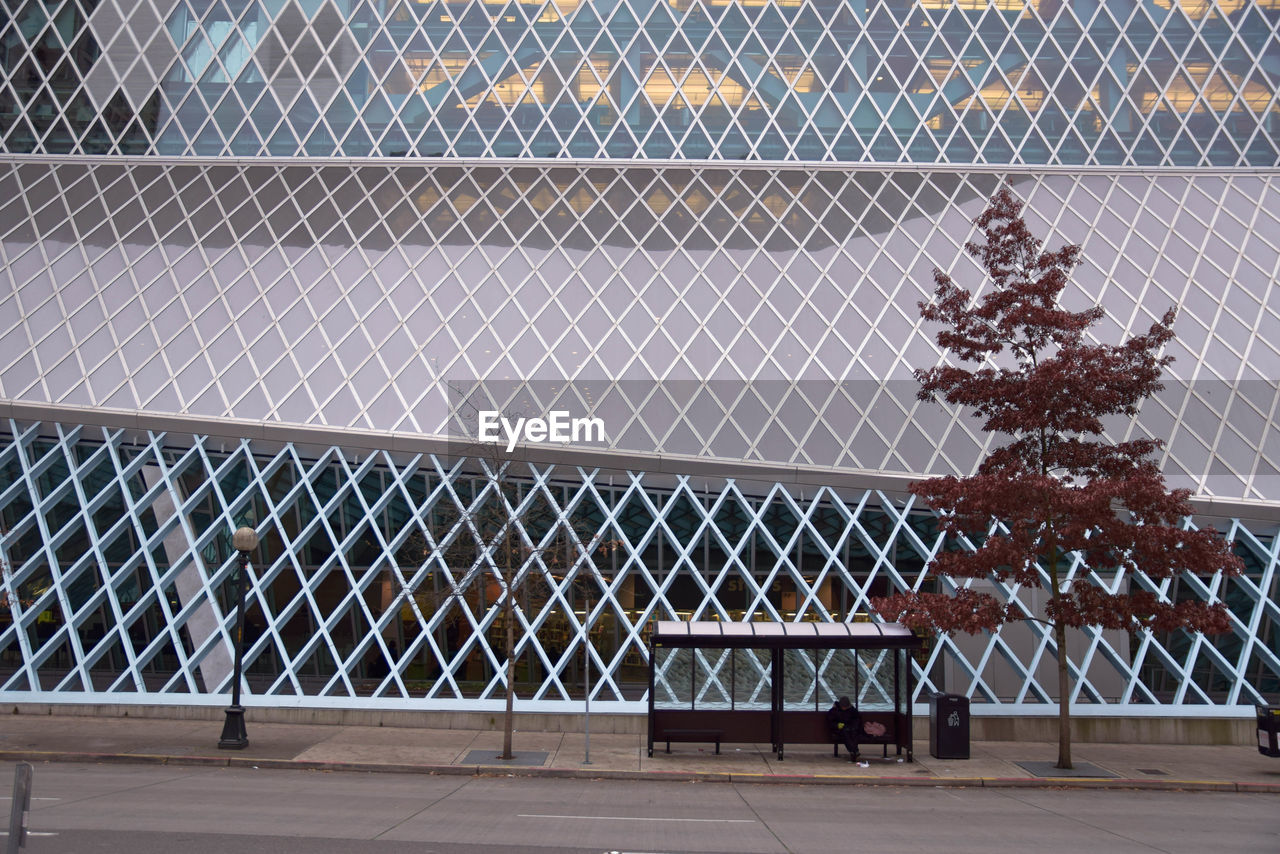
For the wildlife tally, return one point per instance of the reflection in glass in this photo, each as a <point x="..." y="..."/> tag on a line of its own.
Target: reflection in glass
<point x="752" y="679"/>
<point x="878" y="672"/>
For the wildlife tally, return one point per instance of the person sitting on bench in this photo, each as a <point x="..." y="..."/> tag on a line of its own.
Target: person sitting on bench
<point x="845" y="722"/>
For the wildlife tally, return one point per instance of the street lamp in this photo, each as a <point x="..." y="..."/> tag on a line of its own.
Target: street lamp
<point x="586" y="669"/>
<point x="234" y="737"/>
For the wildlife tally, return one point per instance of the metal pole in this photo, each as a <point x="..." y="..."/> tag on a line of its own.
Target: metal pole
<point x="20" y="808"/>
<point x="234" y="736"/>
<point x="586" y="653"/>
<point x="240" y="584"/>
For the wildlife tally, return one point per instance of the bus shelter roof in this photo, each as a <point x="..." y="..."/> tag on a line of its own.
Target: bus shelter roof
<point x="753" y="635"/>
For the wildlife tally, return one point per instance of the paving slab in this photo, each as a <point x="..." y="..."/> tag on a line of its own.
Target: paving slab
<point x="616" y="751"/>
<point x="390" y="745"/>
<point x="1179" y="762"/>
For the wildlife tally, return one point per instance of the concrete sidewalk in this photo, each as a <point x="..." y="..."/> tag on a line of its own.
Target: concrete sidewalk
<point x="67" y="738"/>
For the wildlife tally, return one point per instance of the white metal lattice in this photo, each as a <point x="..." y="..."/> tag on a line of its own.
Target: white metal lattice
<point x="101" y="527"/>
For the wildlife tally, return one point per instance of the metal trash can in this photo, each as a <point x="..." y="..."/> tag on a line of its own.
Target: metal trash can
<point x="949" y="726"/>
<point x="1268" y="730"/>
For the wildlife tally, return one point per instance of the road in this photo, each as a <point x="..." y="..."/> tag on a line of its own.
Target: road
<point x="144" y="809"/>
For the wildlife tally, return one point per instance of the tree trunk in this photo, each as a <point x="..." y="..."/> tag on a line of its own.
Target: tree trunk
<point x="1064" y="695"/>
<point x="508" y="719"/>
<point x="1059" y="638"/>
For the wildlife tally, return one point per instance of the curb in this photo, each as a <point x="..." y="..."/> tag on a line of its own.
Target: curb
<point x="651" y="776"/>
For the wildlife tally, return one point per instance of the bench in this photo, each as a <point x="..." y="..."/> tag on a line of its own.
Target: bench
<point x="889" y="737"/>
<point x="811" y="728"/>
<point x="692" y="735"/>
<point x="744" y="726"/>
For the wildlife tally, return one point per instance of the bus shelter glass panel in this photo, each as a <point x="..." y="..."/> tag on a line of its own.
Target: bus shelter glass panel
<point x="673" y="678"/>
<point x="713" y="679"/>
<point x="798" y="680"/>
<point x="837" y="675"/>
<point x="753" y="679"/>
<point x="878" y="679"/>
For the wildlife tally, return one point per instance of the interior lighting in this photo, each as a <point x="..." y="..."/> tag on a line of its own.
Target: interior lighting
<point x="1197" y="9"/>
<point x="685" y="4"/>
<point x="558" y="9"/>
<point x="981" y="5"/>
<point x="1218" y="93"/>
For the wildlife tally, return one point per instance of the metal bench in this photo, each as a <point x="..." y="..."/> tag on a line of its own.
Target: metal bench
<point x="889" y="737"/>
<point x="692" y="735"/>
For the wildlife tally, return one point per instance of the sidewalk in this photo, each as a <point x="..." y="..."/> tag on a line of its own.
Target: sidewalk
<point x="50" y="738"/>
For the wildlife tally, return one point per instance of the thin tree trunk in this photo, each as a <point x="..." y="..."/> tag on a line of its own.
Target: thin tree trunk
<point x="508" y="720"/>
<point x="1059" y="630"/>
<point x="1064" y="688"/>
<point x="1064" y="685"/>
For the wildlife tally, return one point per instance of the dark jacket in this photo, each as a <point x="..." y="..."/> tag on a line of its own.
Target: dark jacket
<point x="850" y="717"/>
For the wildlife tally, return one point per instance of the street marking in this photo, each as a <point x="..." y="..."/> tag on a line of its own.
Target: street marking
<point x="641" y="818"/>
<point x="30" y="833"/>
<point x="9" y="798"/>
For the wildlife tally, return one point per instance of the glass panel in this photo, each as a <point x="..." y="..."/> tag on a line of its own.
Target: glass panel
<point x="752" y="679"/>
<point x="837" y="675"/>
<point x="536" y="82"/>
<point x="877" y="680"/>
<point x="673" y="678"/>
<point x="713" y="679"/>
<point x="798" y="680"/>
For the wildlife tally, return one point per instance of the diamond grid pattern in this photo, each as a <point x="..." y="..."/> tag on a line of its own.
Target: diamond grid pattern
<point x="119" y="568"/>
<point x="735" y="312"/>
<point x="1134" y="83"/>
<point x="726" y="312"/>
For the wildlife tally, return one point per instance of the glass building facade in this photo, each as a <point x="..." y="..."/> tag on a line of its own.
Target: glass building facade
<point x="1150" y="83"/>
<point x="265" y="261"/>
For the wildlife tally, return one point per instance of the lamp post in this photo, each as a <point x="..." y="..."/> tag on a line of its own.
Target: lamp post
<point x="586" y="672"/>
<point x="234" y="737"/>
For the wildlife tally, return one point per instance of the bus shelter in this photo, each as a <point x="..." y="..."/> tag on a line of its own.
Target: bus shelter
<point x="774" y="682"/>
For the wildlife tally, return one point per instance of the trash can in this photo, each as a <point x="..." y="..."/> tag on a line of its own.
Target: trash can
<point x="949" y="726"/>
<point x="1268" y="730"/>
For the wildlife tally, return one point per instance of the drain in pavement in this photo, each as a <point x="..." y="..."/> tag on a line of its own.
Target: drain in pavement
<point x="529" y="758"/>
<point x="1047" y="769"/>
<point x="1154" y="772"/>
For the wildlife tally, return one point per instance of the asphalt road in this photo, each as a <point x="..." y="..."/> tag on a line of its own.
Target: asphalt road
<point x="143" y="809"/>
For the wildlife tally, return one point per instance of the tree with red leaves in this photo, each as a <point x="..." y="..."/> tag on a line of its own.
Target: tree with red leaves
<point x="1056" y="488"/>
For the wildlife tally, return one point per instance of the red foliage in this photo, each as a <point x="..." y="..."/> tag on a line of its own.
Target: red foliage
<point x="1056" y="485"/>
